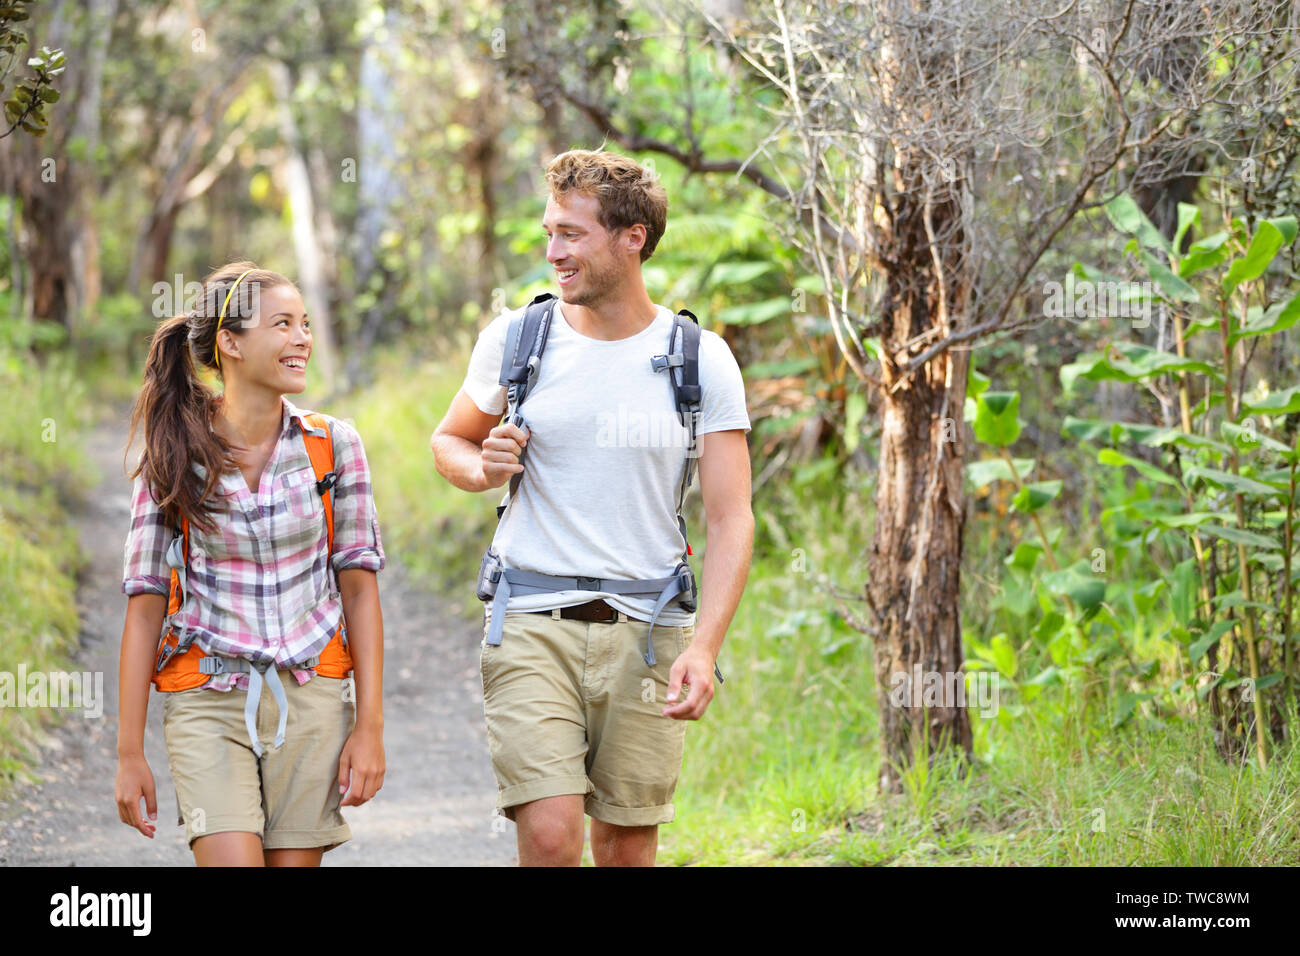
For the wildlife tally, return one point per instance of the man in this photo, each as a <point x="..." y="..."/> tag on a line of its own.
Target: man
<point x="577" y="719"/>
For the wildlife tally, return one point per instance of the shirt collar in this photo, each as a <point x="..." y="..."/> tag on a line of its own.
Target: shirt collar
<point x="292" y="411"/>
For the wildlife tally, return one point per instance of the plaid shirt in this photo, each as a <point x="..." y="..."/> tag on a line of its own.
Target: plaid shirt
<point x="258" y="588"/>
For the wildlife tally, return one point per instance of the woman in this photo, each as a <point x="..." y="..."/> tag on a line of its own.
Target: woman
<point x="253" y="552"/>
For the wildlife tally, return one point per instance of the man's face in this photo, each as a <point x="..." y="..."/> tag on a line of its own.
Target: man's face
<point x="590" y="263"/>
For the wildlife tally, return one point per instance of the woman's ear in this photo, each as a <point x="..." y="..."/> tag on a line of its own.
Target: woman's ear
<point x="230" y="343"/>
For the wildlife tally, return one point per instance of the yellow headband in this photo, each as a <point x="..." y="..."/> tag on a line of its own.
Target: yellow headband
<point x="216" y="354"/>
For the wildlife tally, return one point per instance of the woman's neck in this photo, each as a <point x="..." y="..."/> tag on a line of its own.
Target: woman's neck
<point x="251" y="417"/>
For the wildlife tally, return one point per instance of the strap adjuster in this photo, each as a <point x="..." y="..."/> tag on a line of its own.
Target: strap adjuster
<point x="326" y="483"/>
<point x="661" y="362"/>
<point x="588" y="584"/>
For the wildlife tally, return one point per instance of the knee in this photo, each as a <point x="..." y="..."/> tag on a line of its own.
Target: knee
<point x="550" y="838"/>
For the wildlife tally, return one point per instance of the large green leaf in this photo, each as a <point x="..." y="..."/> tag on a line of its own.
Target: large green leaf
<point x="1129" y="218"/>
<point x="1034" y="496"/>
<point x="754" y="313"/>
<point x="1208" y="639"/>
<point x="1284" y="402"/>
<point x="1227" y="480"/>
<point x="1249" y="439"/>
<point x="1085" y="429"/>
<point x="1279" y="317"/>
<point x="1084" y="588"/>
<point x="1238" y="536"/>
<point x="1175" y="288"/>
<point x="738" y="273"/>
<point x="981" y="473"/>
<point x="1264" y="247"/>
<point x="1182" y="595"/>
<point x="1130" y="362"/>
<point x="1188" y="216"/>
<point x="1204" y="254"/>
<point x="997" y="418"/>
<point x="1108" y="456"/>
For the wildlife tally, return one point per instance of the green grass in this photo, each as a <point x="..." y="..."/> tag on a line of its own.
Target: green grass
<point x="42" y="471"/>
<point x="783" y="769"/>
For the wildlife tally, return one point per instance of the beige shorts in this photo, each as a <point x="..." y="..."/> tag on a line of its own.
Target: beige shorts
<point x="290" y="796"/>
<point x="572" y="707"/>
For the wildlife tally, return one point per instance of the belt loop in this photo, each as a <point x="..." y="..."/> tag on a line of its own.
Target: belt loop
<point x="555" y="614"/>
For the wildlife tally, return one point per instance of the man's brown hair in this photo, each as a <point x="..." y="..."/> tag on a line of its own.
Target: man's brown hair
<point x="627" y="192"/>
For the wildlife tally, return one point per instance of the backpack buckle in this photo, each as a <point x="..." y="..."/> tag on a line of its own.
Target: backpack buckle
<point x="588" y="584"/>
<point x="326" y="483"/>
<point x="661" y="362"/>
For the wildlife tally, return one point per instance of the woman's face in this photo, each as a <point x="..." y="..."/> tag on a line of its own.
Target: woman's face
<point x="276" y="344"/>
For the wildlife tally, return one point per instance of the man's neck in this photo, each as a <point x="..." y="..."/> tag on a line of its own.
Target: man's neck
<point x="611" y="320"/>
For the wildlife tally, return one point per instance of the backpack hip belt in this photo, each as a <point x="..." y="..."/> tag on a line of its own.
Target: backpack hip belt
<point x="182" y="664"/>
<point x="520" y="362"/>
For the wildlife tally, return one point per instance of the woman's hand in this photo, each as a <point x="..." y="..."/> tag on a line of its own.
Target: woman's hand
<point x="361" y="762"/>
<point x="135" y="780"/>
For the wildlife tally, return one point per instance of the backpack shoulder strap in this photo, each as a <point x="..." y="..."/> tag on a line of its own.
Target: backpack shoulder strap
<point x="520" y="364"/>
<point x="682" y="363"/>
<point x="320" y="449"/>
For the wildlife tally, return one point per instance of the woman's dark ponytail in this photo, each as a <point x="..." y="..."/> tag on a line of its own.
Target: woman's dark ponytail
<point x="176" y="408"/>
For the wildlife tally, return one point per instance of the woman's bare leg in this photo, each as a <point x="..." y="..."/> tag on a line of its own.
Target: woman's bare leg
<point x="234" y="848"/>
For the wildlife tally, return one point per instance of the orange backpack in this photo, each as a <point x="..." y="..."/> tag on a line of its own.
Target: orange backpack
<point x="181" y="671"/>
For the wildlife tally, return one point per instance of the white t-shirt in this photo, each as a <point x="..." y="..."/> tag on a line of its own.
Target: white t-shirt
<point x="604" y="459"/>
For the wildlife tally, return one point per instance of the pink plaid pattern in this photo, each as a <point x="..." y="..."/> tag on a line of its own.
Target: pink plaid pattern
<point x="258" y="588"/>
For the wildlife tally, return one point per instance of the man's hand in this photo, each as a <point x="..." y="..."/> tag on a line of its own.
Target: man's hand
<point x="501" y="451"/>
<point x="694" y="669"/>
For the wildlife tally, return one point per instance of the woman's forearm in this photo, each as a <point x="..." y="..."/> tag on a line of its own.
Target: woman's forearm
<point x="365" y="620"/>
<point x="144" y="619"/>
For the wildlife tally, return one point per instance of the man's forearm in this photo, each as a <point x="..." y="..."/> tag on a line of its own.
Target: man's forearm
<point x="460" y="461"/>
<point x="729" y="548"/>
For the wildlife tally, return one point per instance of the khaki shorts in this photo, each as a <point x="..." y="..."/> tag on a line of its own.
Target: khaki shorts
<point x="572" y="707"/>
<point x="290" y="796"/>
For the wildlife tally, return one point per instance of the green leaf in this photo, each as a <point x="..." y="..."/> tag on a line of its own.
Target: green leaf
<point x="981" y="473"/>
<point x="1238" y="536"/>
<point x="1188" y="216"/>
<point x="1279" y="317"/>
<point x="1264" y="246"/>
<point x="1229" y="481"/>
<point x="1284" y="402"/>
<point x="1204" y="254"/>
<point x="1034" y="496"/>
<point x="1083" y="587"/>
<point x="1004" y="655"/>
<point x="976" y="384"/>
<point x="1182" y="595"/>
<point x="755" y="313"/>
<point x="1248" y="439"/>
<point x="855" y="407"/>
<point x="1129" y="218"/>
<point x="997" y="420"/>
<point x="1108" y="456"/>
<point x="1175" y="288"/>
<point x="1024" y="556"/>
<point x="1130" y="362"/>
<point x="1208" y="639"/>
<point x="737" y="273"/>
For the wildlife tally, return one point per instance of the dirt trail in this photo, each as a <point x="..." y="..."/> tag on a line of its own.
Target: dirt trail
<point x="437" y="802"/>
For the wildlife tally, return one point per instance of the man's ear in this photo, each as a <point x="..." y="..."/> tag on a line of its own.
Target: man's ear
<point x="635" y="236"/>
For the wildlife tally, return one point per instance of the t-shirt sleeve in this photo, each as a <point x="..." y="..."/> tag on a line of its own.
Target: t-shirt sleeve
<point x="482" y="378"/>
<point x="722" y="387"/>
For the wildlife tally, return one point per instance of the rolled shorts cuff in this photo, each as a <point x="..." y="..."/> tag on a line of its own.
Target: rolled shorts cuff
<point x="629" y="816"/>
<point x="222" y="823"/>
<point x="530" y="790"/>
<point x="328" y="838"/>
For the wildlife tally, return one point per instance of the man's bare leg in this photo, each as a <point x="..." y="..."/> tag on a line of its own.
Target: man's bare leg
<point x="623" y="846"/>
<point x="549" y="831"/>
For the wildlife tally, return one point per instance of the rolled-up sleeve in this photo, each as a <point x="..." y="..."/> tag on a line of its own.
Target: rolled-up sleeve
<point x="356" y="525"/>
<point x="144" y="568"/>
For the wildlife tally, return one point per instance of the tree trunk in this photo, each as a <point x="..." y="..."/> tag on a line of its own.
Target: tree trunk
<point x="914" y="589"/>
